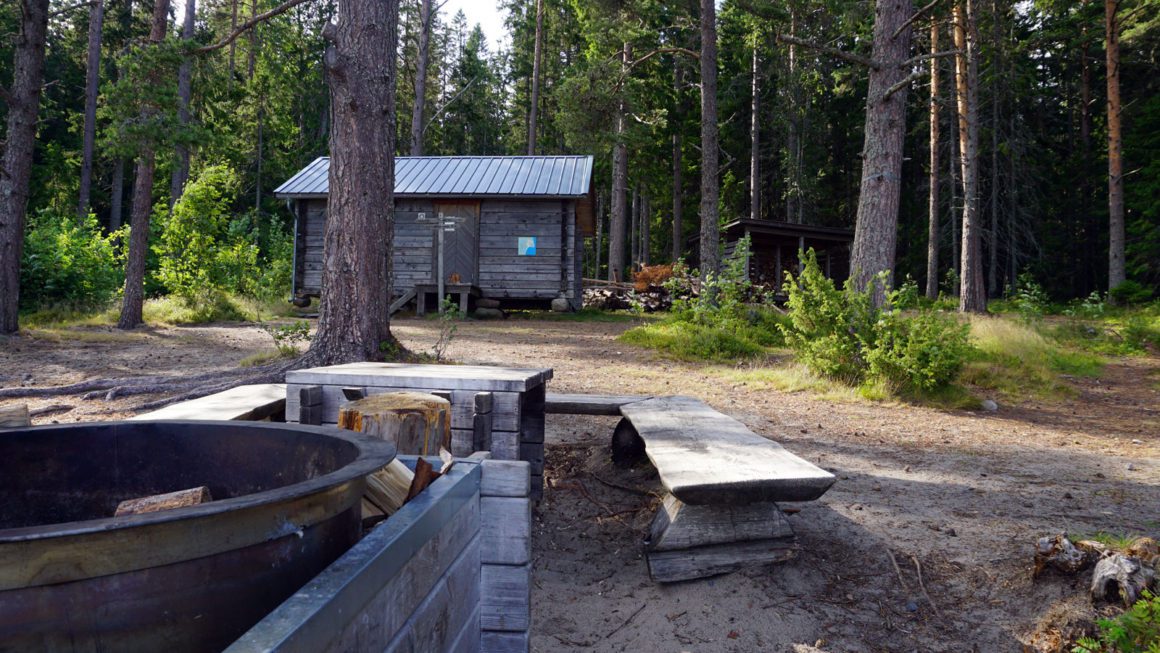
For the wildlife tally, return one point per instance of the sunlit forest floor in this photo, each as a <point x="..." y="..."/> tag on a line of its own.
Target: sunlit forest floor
<point x="963" y="493"/>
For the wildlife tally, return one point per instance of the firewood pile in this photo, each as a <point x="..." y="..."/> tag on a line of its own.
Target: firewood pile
<point x="612" y="296"/>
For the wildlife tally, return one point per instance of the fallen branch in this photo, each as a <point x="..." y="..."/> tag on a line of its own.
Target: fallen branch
<point x="50" y="410"/>
<point x="922" y="586"/>
<point x="624" y="488"/>
<point x="627" y="621"/>
<point x="898" y="571"/>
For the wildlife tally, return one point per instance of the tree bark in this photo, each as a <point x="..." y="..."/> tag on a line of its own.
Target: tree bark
<point x="634" y="228"/>
<point x="425" y="17"/>
<point x="184" y="96"/>
<point x="972" y="290"/>
<point x="710" y="230"/>
<point x="92" y="83"/>
<point x="133" y="298"/>
<point x="793" y="140"/>
<point x="932" y="240"/>
<point x="876" y="230"/>
<point x="1116" y="271"/>
<point x="16" y="156"/>
<point x="678" y="208"/>
<point x="354" y="320"/>
<point x="233" y="44"/>
<point x="755" y="138"/>
<point x="599" y="230"/>
<point x="617" y="222"/>
<point x="533" y="111"/>
<point x="116" y="195"/>
<point x="645" y="228"/>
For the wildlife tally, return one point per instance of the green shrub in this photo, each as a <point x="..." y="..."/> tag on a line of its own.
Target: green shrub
<point x="1091" y="307"/>
<point x="1028" y="297"/>
<point x="693" y="341"/>
<point x="1135" y="631"/>
<point x="69" y="262"/>
<point x="1131" y="293"/>
<point x="924" y="352"/>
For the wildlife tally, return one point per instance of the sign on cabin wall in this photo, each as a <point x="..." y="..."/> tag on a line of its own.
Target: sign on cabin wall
<point x="527" y="245"/>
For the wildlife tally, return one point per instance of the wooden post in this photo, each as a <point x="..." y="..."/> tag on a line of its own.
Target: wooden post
<point x="15" y="417"/>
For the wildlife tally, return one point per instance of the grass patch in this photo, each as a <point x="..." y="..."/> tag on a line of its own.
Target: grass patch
<point x="690" y="341"/>
<point x="1013" y="359"/>
<point x="266" y="357"/>
<point x="583" y="315"/>
<point x="84" y="335"/>
<point x="162" y="311"/>
<point x="1122" y="333"/>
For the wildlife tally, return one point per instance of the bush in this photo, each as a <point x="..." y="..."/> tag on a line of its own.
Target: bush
<point x="841" y="335"/>
<point x="69" y="261"/>
<point x="1131" y="293"/>
<point x="1135" y="631"/>
<point x="1028" y="297"/>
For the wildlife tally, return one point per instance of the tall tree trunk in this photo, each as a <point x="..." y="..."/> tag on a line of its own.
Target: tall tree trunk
<point x="92" y="82"/>
<point x="710" y="191"/>
<point x="954" y="171"/>
<point x="634" y="229"/>
<point x="534" y="110"/>
<point x="253" y="54"/>
<point x="972" y="291"/>
<point x="993" y="232"/>
<point x="1116" y="270"/>
<point x="599" y="230"/>
<point x="425" y="17"/>
<point x="234" y="43"/>
<point x="645" y="230"/>
<point x="755" y="138"/>
<point x="16" y="156"/>
<point x="184" y="97"/>
<point x="793" y="139"/>
<point x="876" y="229"/>
<point x="116" y="194"/>
<point x="678" y="184"/>
<point x="133" y="298"/>
<point x="932" y="239"/>
<point x="354" y="320"/>
<point x="617" y="226"/>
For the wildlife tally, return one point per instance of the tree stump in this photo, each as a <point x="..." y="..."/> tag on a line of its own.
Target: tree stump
<point x="416" y="423"/>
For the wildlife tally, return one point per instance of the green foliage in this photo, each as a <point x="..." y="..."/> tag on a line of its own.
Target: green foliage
<point x="1135" y="631"/>
<point x="693" y="341"/>
<point x="841" y="335"/>
<point x="287" y="336"/>
<point x="1131" y="293"/>
<point x="69" y="261"/>
<point x="448" y="326"/>
<point x="1028" y="297"/>
<point x="1091" y="307"/>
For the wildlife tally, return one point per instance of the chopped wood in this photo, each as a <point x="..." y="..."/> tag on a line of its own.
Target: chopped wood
<point x="14" y="417"/>
<point x="425" y="475"/>
<point x="387" y="489"/>
<point x="417" y="423"/>
<point x="168" y="501"/>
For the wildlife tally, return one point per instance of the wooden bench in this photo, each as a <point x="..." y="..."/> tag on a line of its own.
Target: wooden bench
<point x="723" y="483"/>
<point x="243" y="403"/>
<point x="574" y="404"/>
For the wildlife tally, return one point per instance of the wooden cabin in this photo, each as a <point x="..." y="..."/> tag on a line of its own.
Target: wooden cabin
<point x="512" y="228"/>
<point x="774" y="247"/>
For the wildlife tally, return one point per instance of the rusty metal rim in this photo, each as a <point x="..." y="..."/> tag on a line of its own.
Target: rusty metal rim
<point x="99" y="547"/>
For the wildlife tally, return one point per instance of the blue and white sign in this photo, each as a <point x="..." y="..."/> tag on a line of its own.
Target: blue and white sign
<point x="527" y="245"/>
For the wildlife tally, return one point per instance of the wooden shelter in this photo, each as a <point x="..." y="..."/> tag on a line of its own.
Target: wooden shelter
<point x="774" y="248"/>
<point x="509" y="228"/>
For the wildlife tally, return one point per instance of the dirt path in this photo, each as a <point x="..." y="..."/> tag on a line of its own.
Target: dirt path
<point x="963" y="494"/>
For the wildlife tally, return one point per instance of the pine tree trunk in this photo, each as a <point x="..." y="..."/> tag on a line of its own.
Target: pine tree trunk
<point x="954" y="170"/>
<point x="253" y="53"/>
<point x="617" y="222"/>
<point x="932" y="239"/>
<point x="793" y="141"/>
<point x="755" y="139"/>
<point x="599" y="230"/>
<point x="533" y="111"/>
<point x="993" y="232"/>
<point x="354" y="320"/>
<point x="710" y="230"/>
<point x="116" y="195"/>
<point x="184" y="97"/>
<point x="92" y="83"/>
<point x="133" y="298"/>
<point x="425" y="16"/>
<point x="1116" y="270"/>
<point x="16" y="155"/>
<point x="678" y="208"/>
<point x="634" y="229"/>
<point x="972" y="291"/>
<point x="234" y="43"/>
<point x="876" y="230"/>
<point x="645" y="229"/>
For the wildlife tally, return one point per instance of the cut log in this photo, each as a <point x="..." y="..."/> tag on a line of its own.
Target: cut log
<point x="387" y="489"/>
<point x="1121" y="578"/>
<point x="415" y="422"/>
<point x="425" y="475"/>
<point x="15" y="417"/>
<point x="168" y="501"/>
<point x="703" y="561"/>
<point x="678" y="525"/>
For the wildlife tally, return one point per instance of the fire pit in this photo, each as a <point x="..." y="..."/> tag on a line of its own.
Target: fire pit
<point x="73" y="577"/>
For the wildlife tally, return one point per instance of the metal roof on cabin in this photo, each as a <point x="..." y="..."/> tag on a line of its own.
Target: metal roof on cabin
<point x="464" y="176"/>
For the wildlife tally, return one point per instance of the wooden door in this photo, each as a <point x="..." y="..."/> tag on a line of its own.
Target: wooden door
<point x="460" y="242"/>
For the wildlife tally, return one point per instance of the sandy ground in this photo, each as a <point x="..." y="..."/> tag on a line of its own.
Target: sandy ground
<point x="962" y="495"/>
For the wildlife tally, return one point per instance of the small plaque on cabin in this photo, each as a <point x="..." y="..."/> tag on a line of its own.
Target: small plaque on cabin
<point x="527" y="245"/>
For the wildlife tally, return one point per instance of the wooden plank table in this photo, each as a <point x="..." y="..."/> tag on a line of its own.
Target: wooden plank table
<point x="511" y="400"/>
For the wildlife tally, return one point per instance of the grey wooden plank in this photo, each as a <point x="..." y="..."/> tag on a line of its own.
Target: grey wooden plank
<point x="705" y="561"/>
<point x="533" y="453"/>
<point x="462" y="443"/>
<point x="705" y="457"/>
<point x="468" y="640"/>
<point x="446" y="377"/>
<point x="678" y="525"/>
<point x="505" y="445"/>
<point x="435" y="624"/>
<point x="505" y="602"/>
<point x="500" y="642"/>
<point x="505" y="530"/>
<point x="578" y="404"/>
<point x="505" y="409"/>
<point x="245" y="402"/>
<point x="505" y="478"/>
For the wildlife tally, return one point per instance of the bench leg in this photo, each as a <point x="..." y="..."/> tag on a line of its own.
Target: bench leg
<point x="687" y="542"/>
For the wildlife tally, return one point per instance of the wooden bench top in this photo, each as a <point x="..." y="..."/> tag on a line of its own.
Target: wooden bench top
<point x="705" y="457"/>
<point x="245" y="402"/>
<point x="575" y="404"/>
